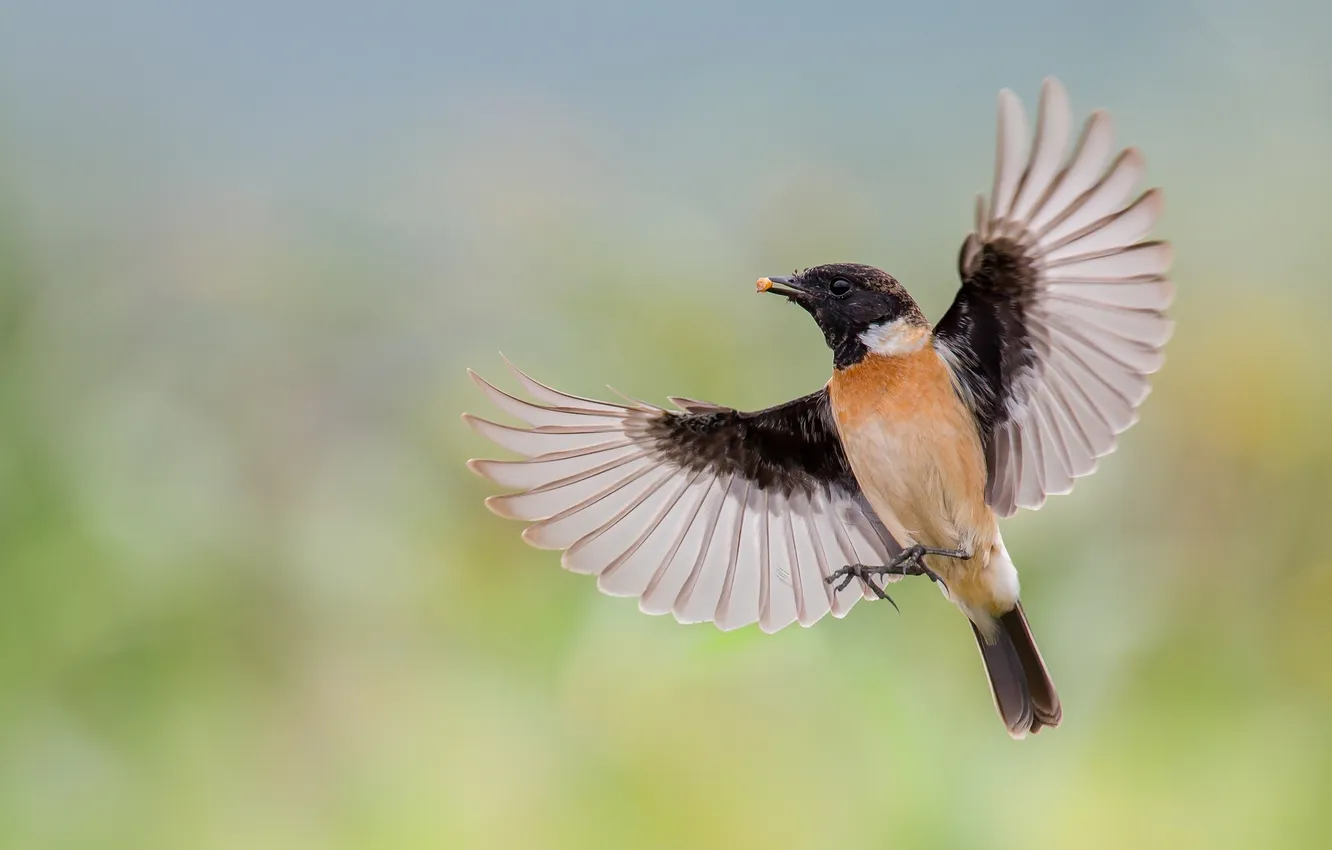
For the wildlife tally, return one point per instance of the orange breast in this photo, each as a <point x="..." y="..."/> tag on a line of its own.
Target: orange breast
<point x="915" y="450"/>
<point x="910" y="386"/>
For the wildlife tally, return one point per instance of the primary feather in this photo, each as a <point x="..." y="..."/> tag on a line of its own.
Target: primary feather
<point x="1061" y="314"/>
<point x="709" y="513"/>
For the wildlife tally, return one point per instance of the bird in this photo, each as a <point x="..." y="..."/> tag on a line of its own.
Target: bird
<point x="924" y="437"/>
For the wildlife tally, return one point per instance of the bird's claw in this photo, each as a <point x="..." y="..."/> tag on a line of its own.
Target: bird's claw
<point x="909" y="562"/>
<point x="866" y="574"/>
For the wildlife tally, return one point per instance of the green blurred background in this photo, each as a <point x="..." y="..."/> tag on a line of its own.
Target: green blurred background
<point x="249" y="596"/>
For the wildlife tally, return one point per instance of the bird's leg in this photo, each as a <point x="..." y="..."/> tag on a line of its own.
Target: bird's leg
<point x="909" y="562"/>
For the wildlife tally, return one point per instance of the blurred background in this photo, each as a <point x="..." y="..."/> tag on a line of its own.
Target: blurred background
<point x="249" y="596"/>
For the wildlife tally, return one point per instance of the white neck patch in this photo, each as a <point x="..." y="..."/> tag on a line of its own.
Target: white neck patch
<point x="895" y="338"/>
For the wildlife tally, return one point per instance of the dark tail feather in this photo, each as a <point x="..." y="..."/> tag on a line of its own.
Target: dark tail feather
<point x="1045" y="705"/>
<point x="1023" y="693"/>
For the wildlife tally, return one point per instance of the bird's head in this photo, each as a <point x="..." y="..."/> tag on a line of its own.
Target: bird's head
<point x="860" y="309"/>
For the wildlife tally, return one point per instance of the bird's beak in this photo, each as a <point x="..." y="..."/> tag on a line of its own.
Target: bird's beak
<point x="787" y="286"/>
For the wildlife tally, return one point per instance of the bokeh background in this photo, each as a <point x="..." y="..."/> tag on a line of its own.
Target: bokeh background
<point x="249" y="596"/>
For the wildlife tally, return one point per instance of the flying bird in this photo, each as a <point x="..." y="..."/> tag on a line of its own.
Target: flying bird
<point x="904" y="462"/>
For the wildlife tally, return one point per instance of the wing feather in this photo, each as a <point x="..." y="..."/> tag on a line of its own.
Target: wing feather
<point x="709" y="513"/>
<point x="671" y="574"/>
<point x="698" y="599"/>
<point x="629" y="572"/>
<point x="1061" y="315"/>
<point x="782" y="594"/>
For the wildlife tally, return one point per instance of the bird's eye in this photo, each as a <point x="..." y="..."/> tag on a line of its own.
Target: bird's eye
<point x="840" y="288"/>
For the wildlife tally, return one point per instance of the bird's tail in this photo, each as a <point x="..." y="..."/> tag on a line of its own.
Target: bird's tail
<point x="1023" y="693"/>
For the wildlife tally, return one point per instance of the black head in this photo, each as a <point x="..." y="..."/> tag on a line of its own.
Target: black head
<point x="848" y="300"/>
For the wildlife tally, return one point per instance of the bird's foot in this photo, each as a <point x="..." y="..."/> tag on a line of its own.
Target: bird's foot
<point x="909" y="562"/>
<point x="866" y="574"/>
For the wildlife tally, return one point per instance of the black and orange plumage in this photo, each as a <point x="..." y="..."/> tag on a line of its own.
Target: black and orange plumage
<point x="921" y="441"/>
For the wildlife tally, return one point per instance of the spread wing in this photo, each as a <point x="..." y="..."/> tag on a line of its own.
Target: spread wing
<point x="1061" y="314"/>
<point x="706" y="512"/>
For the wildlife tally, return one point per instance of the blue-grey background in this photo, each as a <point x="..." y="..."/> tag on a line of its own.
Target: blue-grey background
<point x="249" y="596"/>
